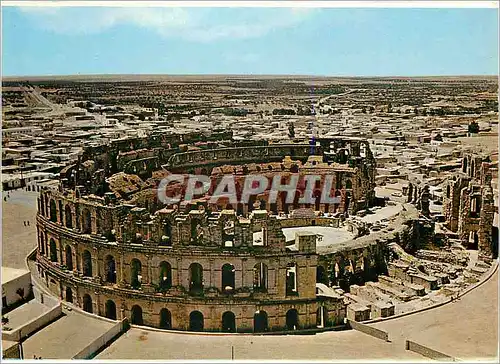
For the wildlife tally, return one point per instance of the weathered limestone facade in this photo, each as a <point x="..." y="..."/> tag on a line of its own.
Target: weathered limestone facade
<point x="112" y="249"/>
<point x="468" y="205"/>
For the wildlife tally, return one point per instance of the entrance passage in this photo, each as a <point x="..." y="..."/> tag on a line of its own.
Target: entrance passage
<point x="136" y="317"/>
<point x="292" y="319"/>
<point x="196" y="321"/>
<point x="110" y="310"/>
<point x="87" y="303"/>
<point x="69" y="295"/>
<point x="260" y="321"/>
<point x="165" y="319"/>
<point x="228" y="322"/>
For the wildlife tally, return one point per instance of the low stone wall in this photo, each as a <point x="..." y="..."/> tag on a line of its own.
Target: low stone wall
<point x="44" y="298"/>
<point x="100" y="342"/>
<point x="318" y="221"/>
<point x="367" y="329"/>
<point x="21" y="332"/>
<point x="427" y="352"/>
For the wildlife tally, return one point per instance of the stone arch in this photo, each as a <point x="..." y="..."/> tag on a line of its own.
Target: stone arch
<point x="110" y="309"/>
<point x="135" y="273"/>
<point x="292" y="319"/>
<point x="69" y="295"/>
<point x="68" y="215"/>
<point x="86" y="221"/>
<point x="110" y="269"/>
<point x="53" y="250"/>
<point x="464" y="165"/>
<point x="136" y="315"/>
<point x="53" y="211"/>
<point x="165" y="276"/>
<point x="260" y="277"/>
<point x="260" y="322"/>
<point x="195" y="278"/>
<point x="87" y="263"/>
<point x="69" y="257"/>
<point x="228" y="278"/>
<point x="87" y="303"/>
<point x="165" y="319"/>
<point x="348" y="184"/>
<point x="196" y="321"/>
<point x="228" y="322"/>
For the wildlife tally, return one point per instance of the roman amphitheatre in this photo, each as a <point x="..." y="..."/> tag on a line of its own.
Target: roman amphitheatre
<point x="108" y="246"/>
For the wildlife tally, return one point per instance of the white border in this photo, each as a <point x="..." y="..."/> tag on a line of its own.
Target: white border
<point x="254" y="4"/>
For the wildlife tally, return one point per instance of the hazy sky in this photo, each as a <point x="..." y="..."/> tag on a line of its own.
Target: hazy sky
<point x="45" y="41"/>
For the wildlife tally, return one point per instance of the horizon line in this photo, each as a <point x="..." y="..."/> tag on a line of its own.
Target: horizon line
<point x="83" y="75"/>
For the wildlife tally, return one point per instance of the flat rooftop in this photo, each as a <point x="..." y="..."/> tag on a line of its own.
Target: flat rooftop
<point x="9" y="274"/>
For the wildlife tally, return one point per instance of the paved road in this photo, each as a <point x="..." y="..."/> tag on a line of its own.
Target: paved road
<point x="345" y="345"/>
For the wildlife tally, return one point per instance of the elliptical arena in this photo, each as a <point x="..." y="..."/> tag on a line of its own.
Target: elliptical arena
<point x="108" y="245"/>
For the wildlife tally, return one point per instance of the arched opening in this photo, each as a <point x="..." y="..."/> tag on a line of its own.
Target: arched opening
<point x="165" y="276"/>
<point x="448" y="191"/>
<point x="291" y="279"/>
<point x="196" y="321"/>
<point x="165" y="319"/>
<point x="228" y="278"/>
<point x="292" y="319"/>
<point x="53" y="251"/>
<point x="69" y="295"/>
<point x="42" y="244"/>
<point x="348" y="184"/>
<point x="228" y="234"/>
<point x="53" y="211"/>
<point x="69" y="257"/>
<point x="260" y="321"/>
<point x="68" y="216"/>
<point x="228" y="322"/>
<point x="135" y="273"/>
<point x="321" y="275"/>
<point x="136" y="315"/>
<point x="321" y="317"/>
<point x="110" y="310"/>
<point x="110" y="269"/>
<point x="195" y="278"/>
<point x="87" y="303"/>
<point x="260" y="277"/>
<point x="87" y="263"/>
<point x="464" y="165"/>
<point x="87" y="222"/>
<point x="167" y="234"/>
<point x="196" y="231"/>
